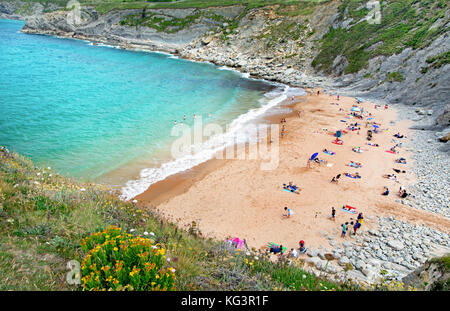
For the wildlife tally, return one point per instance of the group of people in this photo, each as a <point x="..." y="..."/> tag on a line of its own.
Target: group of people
<point x="356" y="224"/>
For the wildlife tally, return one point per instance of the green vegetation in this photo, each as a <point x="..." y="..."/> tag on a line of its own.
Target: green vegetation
<point x="395" y="77"/>
<point x="404" y="23"/>
<point x="439" y="60"/>
<point x="444" y="264"/>
<point x="104" y="6"/>
<point x="171" y="25"/>
<point x="116" y="260"/>
<point x="283" y="32"/>
<point x="47" y="220"/>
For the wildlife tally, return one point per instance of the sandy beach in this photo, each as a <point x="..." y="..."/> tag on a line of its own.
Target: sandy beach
<point x="236" y="198"/>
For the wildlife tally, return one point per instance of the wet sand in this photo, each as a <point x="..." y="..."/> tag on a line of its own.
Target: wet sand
<point x="236" y="198"/>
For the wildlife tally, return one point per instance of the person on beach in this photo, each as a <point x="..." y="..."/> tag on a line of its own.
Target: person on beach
<point x="356" y="227"/>
<point x="360" y="218"/>
<point x="195" y="116"/>
<point x="318" y="93"/>
<point x="402" y="193"/>
<point x="184" y="117"/>
<point x="333" y="214"/>
<point x="344" y="230"/>
<point x="277" y="249"/>
<point x="298" y="113"/>
<point x="288" y="212"/>
<point x="308" y="163"/>
<point x="386" y="191"/>
<point x="301" y="247"/>
<point x="293" y="253"/>
<point x="338" y="97"/>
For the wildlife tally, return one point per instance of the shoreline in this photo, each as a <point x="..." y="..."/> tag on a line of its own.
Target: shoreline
<point x="179" y="183"/>
<point x="216" y="199"/>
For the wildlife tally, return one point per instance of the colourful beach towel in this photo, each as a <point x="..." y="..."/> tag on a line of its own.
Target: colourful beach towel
<point x="338" y="142"/>
<point x="390" y="151"/>
<point x="271" y="244"/>
<point x="329" y="152"/>
<point x="348" y="175"/>
<point x="349" y="209"/>
<point x="239" y="243"/>
<point x="290" y="191"/>
<point x="354" y="165"/>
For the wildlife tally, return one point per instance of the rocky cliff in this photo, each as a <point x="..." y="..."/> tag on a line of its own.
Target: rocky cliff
<point x="402" y="59"/>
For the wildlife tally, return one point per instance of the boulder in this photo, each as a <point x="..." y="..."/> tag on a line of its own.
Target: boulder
<point x="397" y="245"/>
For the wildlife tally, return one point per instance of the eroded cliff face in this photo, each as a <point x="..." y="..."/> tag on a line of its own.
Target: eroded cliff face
<point x="277" y="43"/>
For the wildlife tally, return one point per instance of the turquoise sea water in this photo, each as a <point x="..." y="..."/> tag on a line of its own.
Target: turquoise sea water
<point x="90" y="111"/>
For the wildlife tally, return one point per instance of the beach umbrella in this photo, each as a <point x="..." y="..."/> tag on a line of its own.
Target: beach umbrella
<point x="338" y="134"/>
<point x="369" y="118"/>
<point x="375" y="126"/>
<point x="359" y="99"/>
<point x="355" y="109"/>
<point x="314" y="156"/>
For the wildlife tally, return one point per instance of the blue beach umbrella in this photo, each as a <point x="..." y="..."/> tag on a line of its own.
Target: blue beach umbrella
<point x="355" y="109"/>
<point x="338" y="134"/>
<point x="314" y="156"/>
<point x="375" y="126"/>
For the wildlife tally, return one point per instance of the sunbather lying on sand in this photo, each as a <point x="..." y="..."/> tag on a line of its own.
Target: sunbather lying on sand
<point x="390" y="176"/>
<point x="401" y="160"/>
<point x="356" y="175"/>
<point x="398" y="171"/>
<point x="293" y="189"/>
<point x="357" y="149"/>
<point x="355" y="164"/>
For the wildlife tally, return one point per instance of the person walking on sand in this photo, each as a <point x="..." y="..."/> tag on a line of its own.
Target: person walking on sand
<point x="344" y="230"/>
<point x="318" y="93"/>
<point x="333" y="214"/>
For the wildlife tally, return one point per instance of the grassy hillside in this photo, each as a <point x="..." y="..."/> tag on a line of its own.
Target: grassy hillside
<point x="104" y="6"/>
<point x="47" y="220"/>
<point x="404" y="23"/>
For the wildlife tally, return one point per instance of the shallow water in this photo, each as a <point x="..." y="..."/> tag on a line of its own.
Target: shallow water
<point x="104" y="114"/>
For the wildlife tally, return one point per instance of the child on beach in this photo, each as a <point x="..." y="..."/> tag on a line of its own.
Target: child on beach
<point x="293" y="253"/>
<point x="301" y="245"/>
<point x="333" y="214"/>
<point x="288" y="213"/>
<point x="386" y="191"/>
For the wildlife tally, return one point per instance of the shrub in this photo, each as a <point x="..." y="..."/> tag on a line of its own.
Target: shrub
<point x="120" y="261"/>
